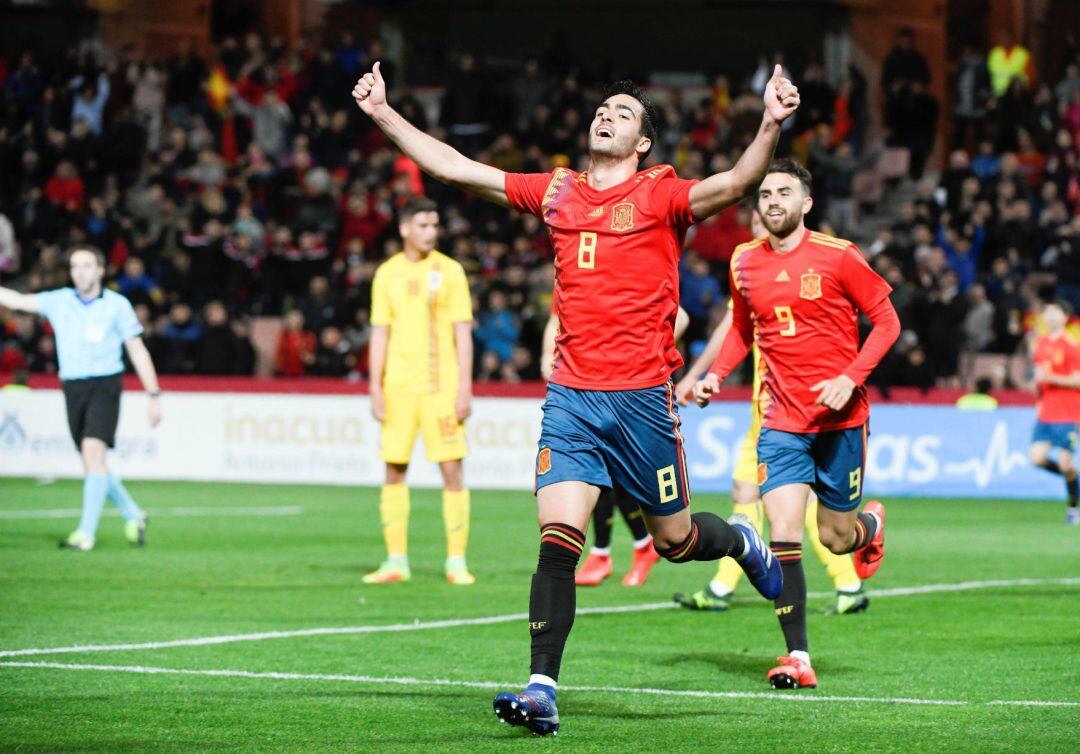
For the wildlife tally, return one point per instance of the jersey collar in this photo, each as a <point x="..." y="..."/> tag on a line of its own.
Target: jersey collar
<point x="794" y="249"/>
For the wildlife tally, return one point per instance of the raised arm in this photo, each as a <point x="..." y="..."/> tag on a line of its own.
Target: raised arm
<point x="20" y="302"/>
<point x="441" y="161"/>
<point x="724" y="189"/>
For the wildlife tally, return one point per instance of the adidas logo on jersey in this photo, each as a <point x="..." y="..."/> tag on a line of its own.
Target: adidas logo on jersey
<point x="597" y="212"/>
<point x="782" y="277"/>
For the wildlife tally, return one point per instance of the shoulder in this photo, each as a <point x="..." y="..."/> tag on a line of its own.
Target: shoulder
<point x="447" y="263"/>
<point x="657" y="173"/>
<point x="826" y="242"/>
<point x="744" y="248"/>
<point x="388" y="264"/>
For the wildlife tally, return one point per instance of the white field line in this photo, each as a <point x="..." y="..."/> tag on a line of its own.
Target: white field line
<point x="442" y="682"/>
<point x="488" y="620"/>
<point x="189" y="512"/>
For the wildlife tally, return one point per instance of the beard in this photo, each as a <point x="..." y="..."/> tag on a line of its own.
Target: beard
<point x="613" y="148"/>
<point x="781" y="227"/>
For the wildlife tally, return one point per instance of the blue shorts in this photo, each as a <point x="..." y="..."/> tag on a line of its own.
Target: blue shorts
<point x="624" y="440"/>
<point x="1058" y="434"/>
<point x="830" y="462"/>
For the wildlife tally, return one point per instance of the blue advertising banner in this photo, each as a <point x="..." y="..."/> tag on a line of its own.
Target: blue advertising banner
<point x="918" y="451"/>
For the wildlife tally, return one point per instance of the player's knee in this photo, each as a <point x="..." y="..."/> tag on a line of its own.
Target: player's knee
<point x="452" y="476"/>
<point x="836" y="541"/>
<point x="395" y="473"/>
<point x="743" y="493"/>
<point x="1037" y="456"/>
<point x="1065" y="463"/>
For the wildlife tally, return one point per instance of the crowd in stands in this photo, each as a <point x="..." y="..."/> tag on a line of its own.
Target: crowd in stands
<point x="249" y="185"/>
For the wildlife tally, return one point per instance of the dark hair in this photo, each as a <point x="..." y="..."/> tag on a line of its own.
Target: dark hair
<point x="984" y="385"/>
<point x="793" y="168"/>
<point x="99" y="255"/>
<point x="415" y="206"/>
<point x="648" y="109"/>
<point x="1062" y="304"/>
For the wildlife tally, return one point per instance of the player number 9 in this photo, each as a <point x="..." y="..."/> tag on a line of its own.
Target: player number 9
<point x="784" y="314"/>
<point x="855" y="480"/>
<point x="586" y="252"/>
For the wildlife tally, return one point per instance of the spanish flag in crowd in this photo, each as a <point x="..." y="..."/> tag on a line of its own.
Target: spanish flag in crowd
<point x="218" y="88"/>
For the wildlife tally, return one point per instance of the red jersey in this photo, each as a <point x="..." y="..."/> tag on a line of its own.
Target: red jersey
<point x="801" y="309"/>
<point x="616" y="272"/>
<point x="1061" y="356"/>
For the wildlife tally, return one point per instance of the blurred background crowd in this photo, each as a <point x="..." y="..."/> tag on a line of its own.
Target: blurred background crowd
<point x="243" y="201"/>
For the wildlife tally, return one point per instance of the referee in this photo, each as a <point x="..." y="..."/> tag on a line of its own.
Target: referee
<point x="92" y="325"/>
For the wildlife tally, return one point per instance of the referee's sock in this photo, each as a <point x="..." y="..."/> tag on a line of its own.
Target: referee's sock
<point x="95" y="488"/>
<point x="123" y="499"/>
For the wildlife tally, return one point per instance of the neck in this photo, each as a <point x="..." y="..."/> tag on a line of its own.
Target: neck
<point x="784" y="244"/>
<point x="1057" y="333"/>
<point x="414" y="254"/>
<point x="89" y="293"/>
<point x="605" y="172"/>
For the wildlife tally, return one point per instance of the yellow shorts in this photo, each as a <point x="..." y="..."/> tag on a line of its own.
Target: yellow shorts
<point x="433" y="415"/>
<point x="746" y="465"/>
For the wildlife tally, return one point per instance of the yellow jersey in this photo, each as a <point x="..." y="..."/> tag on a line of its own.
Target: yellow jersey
<point x="420" y="302"/>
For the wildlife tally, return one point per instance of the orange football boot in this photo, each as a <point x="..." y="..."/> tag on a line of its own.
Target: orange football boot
<point x="792" y="673"/>
<point x="594" y="570"/>
<point x="868" y="557"/>
<point x="645" y="557"/>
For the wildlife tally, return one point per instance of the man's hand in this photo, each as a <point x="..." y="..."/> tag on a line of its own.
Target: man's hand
<point x="781" y="96"/>
<point x="153" y="410"/>
<point x="463" y="405"/>
<point x="706" y="389"/>
<point x="684" y="391"/>
<point x="835" y="393"/>
<point x="378" y="406"/>
<point x="370" y="91"/>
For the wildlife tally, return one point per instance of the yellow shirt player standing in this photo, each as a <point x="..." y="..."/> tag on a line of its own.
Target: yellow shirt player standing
<point x="717" y="595"/>
<point x="421" y="381"/>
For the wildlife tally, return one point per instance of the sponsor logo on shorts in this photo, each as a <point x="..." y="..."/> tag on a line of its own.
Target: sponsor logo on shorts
<point x="762" y="474"/>
<point x="543" y="461"/>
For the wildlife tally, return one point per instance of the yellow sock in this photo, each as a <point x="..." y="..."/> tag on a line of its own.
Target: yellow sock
<point x="455" y="506"/>
<point x="729" y="572"/>
<point x="394" y="510"/>
<point x="841" y="569"/>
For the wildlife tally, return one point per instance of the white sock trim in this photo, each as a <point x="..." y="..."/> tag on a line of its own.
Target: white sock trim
<point x="601" y="551"/>
<point x="798" y="654"/>
<point x="646" y="540"/>
<point x="719" y="589"/>
<point x="543" y="680"/>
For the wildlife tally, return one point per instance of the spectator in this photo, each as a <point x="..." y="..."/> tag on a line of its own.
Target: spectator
<point x="499" y="328"/>
<point x="182" y="336"/>
<point x="699" y="292"/>
<point x="139" y="288"/>
<point x="333" y="357"/>
<point x="220" y="351"/>
<point x="1009" y="62"/>
<point x="295" y="352"/>
<point x="970" y="103"/>
<point x="89" y="106"/>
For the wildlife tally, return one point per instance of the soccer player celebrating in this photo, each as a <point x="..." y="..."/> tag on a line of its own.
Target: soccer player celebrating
<point x="598" y="566"/>
<point x="92" y="326"/>
<point x="610" y="418"/>
<point x="717" y="594"/>
<point x="797" y="295"/>
<point x="421" y="380"/>
<point x="1057" y="377"/>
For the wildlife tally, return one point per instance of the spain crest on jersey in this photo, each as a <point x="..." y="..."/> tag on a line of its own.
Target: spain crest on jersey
<point x="622" y="216"/>
<point x="811" y="286"/>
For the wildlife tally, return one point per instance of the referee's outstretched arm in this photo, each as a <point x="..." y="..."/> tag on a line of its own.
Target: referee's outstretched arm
<point x="22" y="302"/>
<point x="144" y="367"/>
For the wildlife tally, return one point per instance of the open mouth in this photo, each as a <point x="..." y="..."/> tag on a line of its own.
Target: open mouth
<point x="777" y="213"/>
<point x="605" y="133"/>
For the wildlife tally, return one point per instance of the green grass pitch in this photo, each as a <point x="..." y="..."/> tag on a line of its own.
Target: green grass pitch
<point x="215" y="569"/>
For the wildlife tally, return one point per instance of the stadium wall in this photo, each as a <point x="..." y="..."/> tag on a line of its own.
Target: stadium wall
<point x="280" y="437"/>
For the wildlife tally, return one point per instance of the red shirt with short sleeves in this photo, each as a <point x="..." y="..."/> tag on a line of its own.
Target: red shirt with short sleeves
<point x="616" y="272"/>
<point x="802" y="308"/>
<point x="1061" y="356"/>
